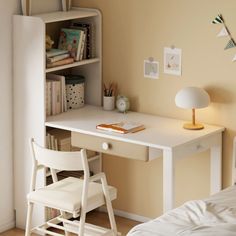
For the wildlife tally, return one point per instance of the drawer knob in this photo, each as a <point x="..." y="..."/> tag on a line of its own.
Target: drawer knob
<point x="105" y="146"/>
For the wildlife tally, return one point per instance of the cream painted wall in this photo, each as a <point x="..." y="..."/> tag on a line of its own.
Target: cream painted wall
<point x="134" y="30"/>
<point x="7" y="9"/>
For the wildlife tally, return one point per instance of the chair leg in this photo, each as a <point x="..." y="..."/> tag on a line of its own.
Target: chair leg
<point x="111" y="217"/>
<point x="28" y="219"/>
<point x="64" y="216"/>
<point x="109" y="206"/>
<point x="82" y="223"/>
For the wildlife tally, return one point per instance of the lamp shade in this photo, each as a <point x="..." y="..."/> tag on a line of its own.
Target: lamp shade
<point x="191" y="98"/>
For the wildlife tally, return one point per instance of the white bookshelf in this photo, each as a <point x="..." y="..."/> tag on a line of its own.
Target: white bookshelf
<point x="29" y="91"/>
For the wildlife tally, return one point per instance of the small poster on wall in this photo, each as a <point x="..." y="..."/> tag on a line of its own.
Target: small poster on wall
<point x="172" y="61"/>
<point x="151" y="69"/>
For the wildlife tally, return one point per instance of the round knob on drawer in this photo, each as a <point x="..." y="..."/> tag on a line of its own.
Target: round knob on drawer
<point x="105" y="146"/>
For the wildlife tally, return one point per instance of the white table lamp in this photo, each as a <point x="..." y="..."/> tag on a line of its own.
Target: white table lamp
<point x="192" y="98"/>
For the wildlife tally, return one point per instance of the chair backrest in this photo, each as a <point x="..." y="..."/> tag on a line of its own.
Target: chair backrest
<point x="58" y="160"/>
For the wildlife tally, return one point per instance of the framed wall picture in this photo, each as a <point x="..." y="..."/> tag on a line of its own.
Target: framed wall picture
<point x="151" y="69"/>
<point x="172" y="61"/>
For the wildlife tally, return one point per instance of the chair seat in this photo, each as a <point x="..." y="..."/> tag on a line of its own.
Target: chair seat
<point x="66" y="195"/>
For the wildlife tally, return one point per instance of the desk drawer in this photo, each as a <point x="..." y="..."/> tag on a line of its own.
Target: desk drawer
<point x="109" y="146"/>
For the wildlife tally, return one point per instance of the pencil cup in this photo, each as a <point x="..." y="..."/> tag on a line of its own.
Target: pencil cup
<point x="108" y="103"/>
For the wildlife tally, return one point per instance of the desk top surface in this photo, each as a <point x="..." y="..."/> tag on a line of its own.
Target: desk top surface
<point x="160" y="132"/>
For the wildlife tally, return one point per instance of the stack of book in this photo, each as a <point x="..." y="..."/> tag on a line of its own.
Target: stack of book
<point x="58" y="57"/>
<point x="55" y="94"/>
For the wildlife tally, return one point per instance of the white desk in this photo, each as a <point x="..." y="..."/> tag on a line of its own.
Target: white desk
<point x="162" y="137"/>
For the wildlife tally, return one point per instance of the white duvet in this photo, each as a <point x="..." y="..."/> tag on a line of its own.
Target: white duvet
<point x="215" y="216"/>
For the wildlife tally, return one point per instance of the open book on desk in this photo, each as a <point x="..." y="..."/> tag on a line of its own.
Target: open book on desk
<point x="121" y="127"/>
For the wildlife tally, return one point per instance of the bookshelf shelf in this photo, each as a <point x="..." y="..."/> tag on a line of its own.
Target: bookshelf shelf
<point x="75" y="64"/>
<point x="30" y="90"/>
<point x="67" y="15"/>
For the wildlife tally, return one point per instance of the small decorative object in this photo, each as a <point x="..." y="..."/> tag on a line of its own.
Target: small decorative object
<point x="192" y="98"/>
<point x="122" y="103"/>
<point x="66" y="5"/>
<point x="25" y="8"/>
<point x="30" y="7"/>
<point x="151" y="68"/>
<point x="49" y="42"/>
<point x="225" y="32"/>
<point x="172" y="60"/>
<point x="75" y="91"/>
<point x="109" y="96"/>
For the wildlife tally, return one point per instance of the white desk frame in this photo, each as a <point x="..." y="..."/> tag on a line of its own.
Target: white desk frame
<point x="163" y="136"/>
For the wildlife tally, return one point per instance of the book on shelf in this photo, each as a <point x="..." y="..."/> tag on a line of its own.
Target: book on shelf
<point x="71" y="40"/>
<point x="58" y="58"/>
<point x="48" y="98"/>
<point x="122" y="127"/>
<point x="55" y="52"/>
<point x="56" y="95"/>
<point x="90" y="41"/>
<point x="83" y="53"/>
<point x="58" y="139"/>
<point x="61" y="62"/>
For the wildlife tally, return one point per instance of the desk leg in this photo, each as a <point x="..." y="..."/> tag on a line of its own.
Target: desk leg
<point x="168" y="180"/>
<point x="216" y="165"/>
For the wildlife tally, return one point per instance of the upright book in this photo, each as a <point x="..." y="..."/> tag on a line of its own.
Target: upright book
<point x="62" y="93"/>
<point x="71" y="40"/>
<point x="89" y="30"/>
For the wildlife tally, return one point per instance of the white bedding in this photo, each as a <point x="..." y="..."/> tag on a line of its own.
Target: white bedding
<point x="215" y="216"/>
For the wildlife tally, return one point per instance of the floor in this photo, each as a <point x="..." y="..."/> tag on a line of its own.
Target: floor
<point x="101" y="219"/>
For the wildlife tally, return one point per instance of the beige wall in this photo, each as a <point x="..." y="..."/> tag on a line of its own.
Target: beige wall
<point x="134" y="30"/>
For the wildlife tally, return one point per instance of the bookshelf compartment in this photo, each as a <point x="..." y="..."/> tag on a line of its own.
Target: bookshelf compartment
<point x="80" y="34"/>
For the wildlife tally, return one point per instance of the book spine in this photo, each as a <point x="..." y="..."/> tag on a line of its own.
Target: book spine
<point x="82" y="47"/>
<point x="90" y="37"/>
<point x="60" y="63"/>
<point x="93" y="41"/>
<point x="58" y="58"/>
<point x="48" y="98"/>
<point x="55" y="52"/>
<point x="64" y="94"/>
<point x="56" y="97"/>
<point x="79" y="45"/>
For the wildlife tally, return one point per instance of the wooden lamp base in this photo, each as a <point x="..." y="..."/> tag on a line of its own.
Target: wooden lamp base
<point x="193" y="126"/>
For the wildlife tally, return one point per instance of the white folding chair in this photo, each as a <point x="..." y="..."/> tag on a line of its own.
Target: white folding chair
<point x="73" y="197"/>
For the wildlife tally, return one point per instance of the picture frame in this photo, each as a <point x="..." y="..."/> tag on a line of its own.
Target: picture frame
<point x="172" y="61"/>
<point x="151" y="69"/>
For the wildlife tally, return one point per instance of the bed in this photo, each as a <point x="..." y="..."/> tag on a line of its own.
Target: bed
<point x="214" y="216"/>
